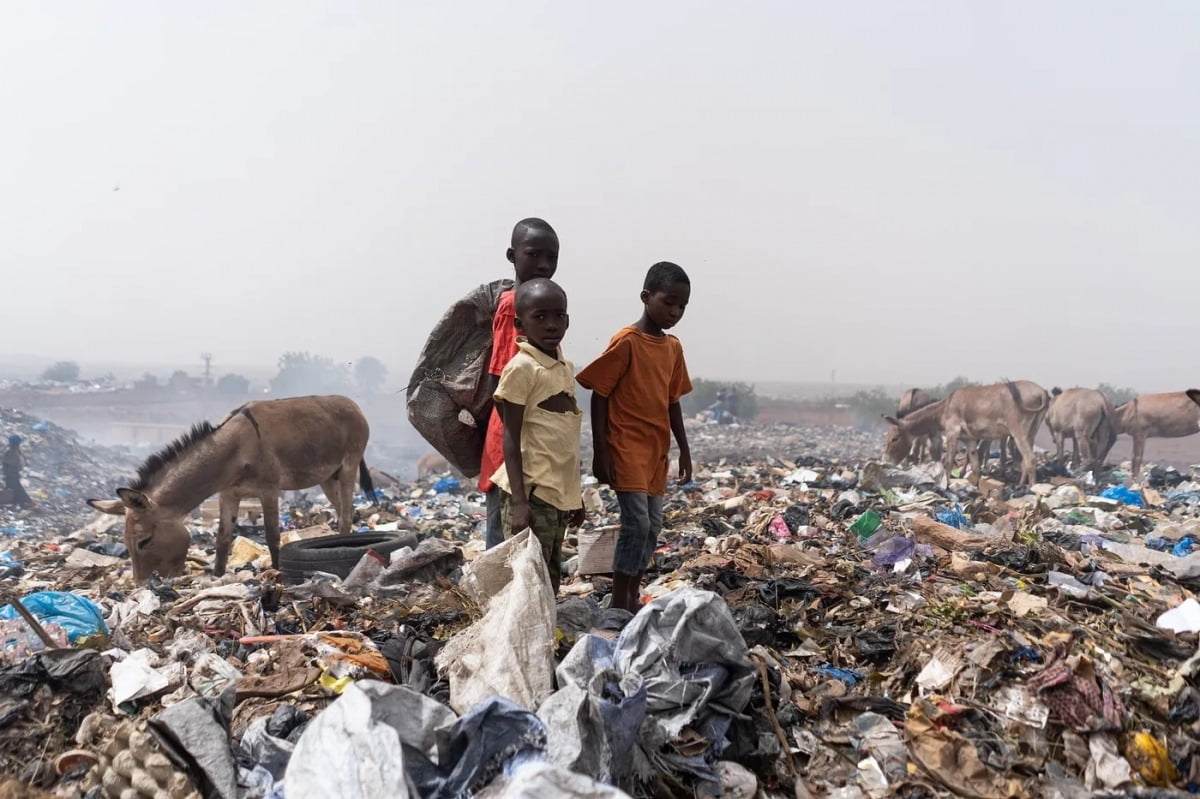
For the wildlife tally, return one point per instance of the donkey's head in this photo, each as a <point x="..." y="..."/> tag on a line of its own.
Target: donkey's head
<point x="157" y="538"/>
<point x="898" y="444"/>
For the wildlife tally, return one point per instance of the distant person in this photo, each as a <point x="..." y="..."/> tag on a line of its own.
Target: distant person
<point x="636" y="387"/>
<point x="539" y="479"/>
<point x="14" y="464"/>
<point x="533" y="252"/>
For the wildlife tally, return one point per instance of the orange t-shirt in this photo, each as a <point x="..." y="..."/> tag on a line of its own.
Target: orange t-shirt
<point x="642" y="376"/>
<point x="504" y="347"/>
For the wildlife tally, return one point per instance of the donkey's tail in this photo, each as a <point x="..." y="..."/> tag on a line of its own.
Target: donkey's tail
<point x="364" y="480"/>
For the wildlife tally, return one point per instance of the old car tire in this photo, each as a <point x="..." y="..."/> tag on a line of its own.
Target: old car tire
<point x="338" y="554"/>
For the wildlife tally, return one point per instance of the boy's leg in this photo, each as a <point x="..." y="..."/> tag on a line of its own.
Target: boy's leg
<point x="495" y="526"/>
<point x="654" y="511"/>
<point x="504" y="513"/>
<point x="549" y="524"/>
<point x="629" y="554"/>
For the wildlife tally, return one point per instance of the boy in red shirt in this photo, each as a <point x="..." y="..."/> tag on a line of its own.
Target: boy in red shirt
<point x="533" y="252"/>
<point x="636" y="385"/>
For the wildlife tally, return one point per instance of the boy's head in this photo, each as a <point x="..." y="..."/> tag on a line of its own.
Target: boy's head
<point x="541" y="307"/>
<point x="665" y="294"/>
<point x="534" y="249"/>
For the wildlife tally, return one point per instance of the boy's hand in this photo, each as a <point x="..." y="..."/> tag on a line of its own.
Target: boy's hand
<point x="685" y="468"/>
<point x="522" y="516"/>
<point x="602" y="467"/>
<point x="576" y="518"/>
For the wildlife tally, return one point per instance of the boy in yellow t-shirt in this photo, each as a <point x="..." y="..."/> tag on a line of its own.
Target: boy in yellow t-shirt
<point x="539" y="479"/>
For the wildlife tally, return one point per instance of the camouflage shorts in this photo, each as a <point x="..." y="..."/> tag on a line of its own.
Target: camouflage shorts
<point x="549" y="525"/>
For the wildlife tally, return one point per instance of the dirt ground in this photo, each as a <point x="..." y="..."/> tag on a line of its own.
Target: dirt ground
<point x="1177" y="452"/>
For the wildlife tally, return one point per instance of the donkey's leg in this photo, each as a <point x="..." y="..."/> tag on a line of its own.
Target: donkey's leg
<point x="333" y="492"/>
<point x="347" y="477"/>
<point x="1083" y="449"/>
<point x="227" y="511"/>
<point x="1028" y="463"/>
<point x="1139" y="449"/>
<point x="270" y="506"/>
<point x="950" y="454"/>
<point x="973" y="461"/>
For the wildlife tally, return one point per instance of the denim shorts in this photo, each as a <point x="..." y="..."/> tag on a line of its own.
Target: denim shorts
<point x="641" y="522"/>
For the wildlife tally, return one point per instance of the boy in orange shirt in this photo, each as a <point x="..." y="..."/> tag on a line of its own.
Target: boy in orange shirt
<point x="636" y="386"/>
<point x="533" y="252"/>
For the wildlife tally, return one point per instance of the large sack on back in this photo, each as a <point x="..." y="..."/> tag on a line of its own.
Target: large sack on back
<point x="450" y="379"/>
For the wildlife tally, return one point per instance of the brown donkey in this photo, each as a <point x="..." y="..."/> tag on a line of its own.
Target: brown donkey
<point x="1088" y="418"/>
<point x="259" y="450"/>
<point x="1172" y="415"/>
<point x="974" y="414"/>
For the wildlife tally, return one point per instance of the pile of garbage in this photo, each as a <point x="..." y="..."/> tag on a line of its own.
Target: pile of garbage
<point x="61" y="473"/>
<point x="815" y="626"/>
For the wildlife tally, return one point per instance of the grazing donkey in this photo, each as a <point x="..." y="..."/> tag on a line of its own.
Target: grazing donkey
<point x="259" y="450"/>
<point x="1088" y="418"/>
<point x="974" y="414"/>
<point x="1172" y="415"/>
<point x="922" y="446"/>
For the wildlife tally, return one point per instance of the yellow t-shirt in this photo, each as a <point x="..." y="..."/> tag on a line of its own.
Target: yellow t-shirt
<point x="549" y="439"/>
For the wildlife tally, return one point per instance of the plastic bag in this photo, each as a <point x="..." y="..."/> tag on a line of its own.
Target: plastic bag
<point x="510" y="651"/>
<point x="449" y="379"/>
<point x="383" y="740"/>
<point x="1125" y="496"/>
<point x="78" y="616"/>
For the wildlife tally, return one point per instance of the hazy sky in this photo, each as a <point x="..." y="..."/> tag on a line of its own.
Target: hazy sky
<point x="902" y="192"/>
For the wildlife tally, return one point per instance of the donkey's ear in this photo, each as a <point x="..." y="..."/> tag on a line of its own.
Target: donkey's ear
<point x="134" y="500"/>
<point x="114" y="506"/>
<point x="1194" y="395"/>
<point x="892" y="420"/>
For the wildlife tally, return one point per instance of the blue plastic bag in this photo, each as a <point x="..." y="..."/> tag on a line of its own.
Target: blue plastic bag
<point x="1124" y="496"/>
<point x="848" y="676"/>
<point x="1184" y="547"/>
<point x="78" y="616"/>
<point x="953" y="517"/>
<point x="447" y="484"/>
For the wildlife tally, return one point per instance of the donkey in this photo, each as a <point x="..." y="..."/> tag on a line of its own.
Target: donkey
<point x="922" y="446"/>
<point x="258" y="450"/>
<point x="974" y="414"/>
<point x="1088" y="418"/>
<point x="1172" y="415"/>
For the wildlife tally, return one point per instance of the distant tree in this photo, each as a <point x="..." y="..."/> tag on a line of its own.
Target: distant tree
<point x="233" y="384"/>
<point x="946" y="389"/>
<point x="62" y="372"/>
<point x="181" y="382"/>
<point x="869" y="407"/>
<point x="304" y="373"/>
<point x="1118" y="396"/>
<point x="739" y="398"/>
<point x="370" y="374"/>
<point x="148" y="381"/>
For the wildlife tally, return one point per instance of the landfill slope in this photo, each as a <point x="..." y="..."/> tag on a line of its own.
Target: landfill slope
<point x="816" y="624"/>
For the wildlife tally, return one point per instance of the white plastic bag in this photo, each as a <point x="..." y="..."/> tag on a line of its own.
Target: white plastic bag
<point x="510" y="651"/>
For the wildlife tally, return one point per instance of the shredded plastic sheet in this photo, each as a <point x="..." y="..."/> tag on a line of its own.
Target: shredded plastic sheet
<point x="680" y="663"/>
<point x="538" y="779"/>
<point x="449" y="379"/>
<point x="382" y="740"/>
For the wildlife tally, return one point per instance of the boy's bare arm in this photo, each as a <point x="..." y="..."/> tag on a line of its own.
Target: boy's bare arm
<point x="490" y="382"/>
<point x="513" y="416"/>
<point x="685" y="452"/>
<point x="601" y="459"/>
